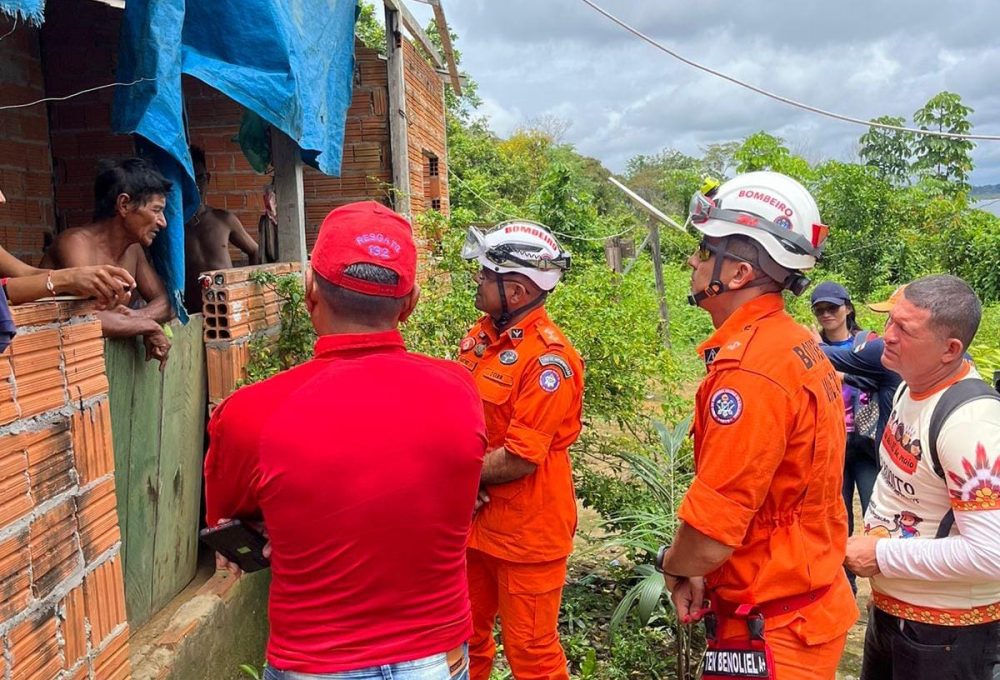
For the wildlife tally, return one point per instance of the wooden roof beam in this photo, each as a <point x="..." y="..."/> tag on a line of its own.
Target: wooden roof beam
<point x="449" y="53"/>
<point x="413" y="26"/>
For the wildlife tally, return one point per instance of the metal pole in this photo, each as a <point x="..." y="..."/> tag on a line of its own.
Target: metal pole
<point x="661" y="293"/>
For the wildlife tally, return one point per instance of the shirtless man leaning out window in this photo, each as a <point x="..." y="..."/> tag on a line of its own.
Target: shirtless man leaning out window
<point x="207" y="236"/>
<point x="129" y="197"/>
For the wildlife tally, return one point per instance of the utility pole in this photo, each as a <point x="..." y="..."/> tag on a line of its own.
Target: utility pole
<point x="661" y="293"/>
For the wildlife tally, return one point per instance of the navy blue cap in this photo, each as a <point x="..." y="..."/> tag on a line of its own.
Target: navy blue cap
<point x="832" y="292"/>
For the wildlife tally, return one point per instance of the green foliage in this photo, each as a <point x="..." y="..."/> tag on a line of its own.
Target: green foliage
<point x="368" y="29"/>
<point x="295" y="338"/>
<point x="888" y="151"/>
<point x="761" y="151"/>
<point x="251" y="671"/>
<point x="949" y="161"/>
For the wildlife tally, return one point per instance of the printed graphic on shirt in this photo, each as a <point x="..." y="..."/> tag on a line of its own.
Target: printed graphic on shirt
<point x="980" y="488"/>
<point x="902" y="444"/>
<point x="549" y="380"/>
<point x="726" y="406"/>
<point x="902" y="525"/>
<point x="899" y="486"/>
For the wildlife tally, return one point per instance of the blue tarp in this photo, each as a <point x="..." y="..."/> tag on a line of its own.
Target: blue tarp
<point x="290" y="61"/>
<point x="31" y="11"/>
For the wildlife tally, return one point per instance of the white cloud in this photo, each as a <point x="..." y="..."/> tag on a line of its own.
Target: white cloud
<point x="559" y="57"/>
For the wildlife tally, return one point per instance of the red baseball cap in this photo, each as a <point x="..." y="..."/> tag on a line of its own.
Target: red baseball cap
<point x="366" y="233"/>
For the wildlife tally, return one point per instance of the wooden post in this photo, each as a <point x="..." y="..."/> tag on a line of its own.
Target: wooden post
<point x="613" y="253"/>
<point x="398" y="141"/>
<point x="287" y="160"/>
<point x="661" y="293"/>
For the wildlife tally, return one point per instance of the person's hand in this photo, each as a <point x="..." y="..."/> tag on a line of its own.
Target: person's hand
<point x="260" y="527"/>
<point x="482" y="498"/>
<point x="861" y="558"/>
<point x="157" y="346"/>
<point x="221" y="563"/>
<point x="111" y="286"/>
<point x="688" y="596"/>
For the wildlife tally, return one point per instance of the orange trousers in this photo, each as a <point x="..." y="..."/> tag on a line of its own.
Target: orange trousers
<point x="793" y="658"/>
<point x="527" y="597"/>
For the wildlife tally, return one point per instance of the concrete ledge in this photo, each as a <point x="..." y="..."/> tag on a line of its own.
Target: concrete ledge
<point x="207" y="631"/>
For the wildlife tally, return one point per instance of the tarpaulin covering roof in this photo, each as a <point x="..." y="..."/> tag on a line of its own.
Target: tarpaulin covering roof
<point x="28" y="10"/>
<point x="290" y="61"/>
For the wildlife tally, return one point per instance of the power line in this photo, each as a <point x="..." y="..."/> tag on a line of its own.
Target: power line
<point x="777" y="97"/>
<point x="75" y="94"/>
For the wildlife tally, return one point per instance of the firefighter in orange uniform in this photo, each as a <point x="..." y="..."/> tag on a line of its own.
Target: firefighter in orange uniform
<point x="531" y="382"/>
<point x="762" y="535"/>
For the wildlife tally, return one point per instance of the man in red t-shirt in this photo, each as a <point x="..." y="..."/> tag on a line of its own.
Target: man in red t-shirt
<point x="363" y="464"/>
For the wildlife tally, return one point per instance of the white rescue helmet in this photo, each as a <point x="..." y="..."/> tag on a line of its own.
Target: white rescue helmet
<point x="772" y="209"/>
<point x="519" y="247"/>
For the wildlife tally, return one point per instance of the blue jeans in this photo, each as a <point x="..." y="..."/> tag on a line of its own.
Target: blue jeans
<point x="860" y="470"/>
<point x="433" y="667"/>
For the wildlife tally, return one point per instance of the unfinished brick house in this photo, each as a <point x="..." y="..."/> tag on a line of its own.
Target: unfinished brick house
<point x="86" y="426"/>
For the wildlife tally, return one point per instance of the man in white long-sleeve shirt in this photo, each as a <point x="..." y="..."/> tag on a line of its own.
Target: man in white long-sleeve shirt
<point x="936" y="591"/>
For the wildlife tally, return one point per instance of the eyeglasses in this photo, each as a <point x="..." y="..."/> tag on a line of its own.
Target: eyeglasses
<point x="707" y="250"/>
<point x="820" y="310"/>
<point x="701" y="209"/>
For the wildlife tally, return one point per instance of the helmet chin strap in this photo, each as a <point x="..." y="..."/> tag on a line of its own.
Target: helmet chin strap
<point x="716" y="286"/>
<point x="507" y="316"/>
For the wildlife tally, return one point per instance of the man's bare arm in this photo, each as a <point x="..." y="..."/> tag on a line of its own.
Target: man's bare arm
<point x="152" y="290"/>
<point x="499" y="467"/>
<point x="693" y="553"/>
<point x="239" y="237"/>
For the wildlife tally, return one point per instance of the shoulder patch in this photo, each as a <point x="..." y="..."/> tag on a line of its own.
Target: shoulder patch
<point x="726" y="406"/>
<point x="556" y="360"/>
<point x="549" y="380"/>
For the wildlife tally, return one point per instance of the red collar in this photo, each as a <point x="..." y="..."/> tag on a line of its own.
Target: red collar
<point x="330" y="345"/>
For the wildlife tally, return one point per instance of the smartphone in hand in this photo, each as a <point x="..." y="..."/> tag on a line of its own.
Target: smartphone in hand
<point x="239" y="543"/>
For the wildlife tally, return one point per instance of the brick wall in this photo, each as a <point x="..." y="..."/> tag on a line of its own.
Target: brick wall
<point x="426" y="133"/>
<point x="62" y="614"/>
<point x="25" y="165"/>
<point x="74" y="60"/>
<point x="366" y="170"/>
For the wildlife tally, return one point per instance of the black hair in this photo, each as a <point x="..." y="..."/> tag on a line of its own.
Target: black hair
<point x="133" y="176"/>
<point x="375" y="311"/>
<point x="198" y="156"/>
<point x="954" y="307"/>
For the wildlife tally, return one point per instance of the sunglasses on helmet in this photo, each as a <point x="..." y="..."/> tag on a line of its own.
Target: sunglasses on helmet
<point x="511" y="254"/>
<point x="701" y="209"/>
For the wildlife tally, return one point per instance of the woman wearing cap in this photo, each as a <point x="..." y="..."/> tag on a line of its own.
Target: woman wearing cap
<point x="832" y="307"/>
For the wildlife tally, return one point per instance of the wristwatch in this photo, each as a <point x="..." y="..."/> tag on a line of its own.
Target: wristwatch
<point x="661" y="553"/>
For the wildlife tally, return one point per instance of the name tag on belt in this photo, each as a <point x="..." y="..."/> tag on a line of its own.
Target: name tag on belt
<point x="735" y="663"/>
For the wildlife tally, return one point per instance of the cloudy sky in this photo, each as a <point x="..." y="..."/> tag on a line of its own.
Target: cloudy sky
<point x="537" y="58"/>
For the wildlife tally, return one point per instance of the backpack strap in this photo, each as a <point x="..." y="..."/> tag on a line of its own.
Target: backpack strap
<point x="956" y="396"/>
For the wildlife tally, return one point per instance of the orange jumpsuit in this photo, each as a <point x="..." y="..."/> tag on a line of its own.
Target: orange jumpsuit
<point x="531" y="382"/>
<point x="769" y="459"/>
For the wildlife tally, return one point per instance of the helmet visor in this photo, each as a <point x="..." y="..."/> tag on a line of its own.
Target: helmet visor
<point x="475" y="244"/>
<point x="702" y="209"/>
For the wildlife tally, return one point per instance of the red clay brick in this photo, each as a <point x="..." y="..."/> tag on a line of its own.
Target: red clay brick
<point x="92" y="446"/>
<point x="54" y="548"/>
<point x="41" y="401"/>
<point x="34" y="649"/>
<point x="104" y="595"/>
<point x="73" y="626"/>
<point x="25" y="343"/>
<point x="15" y="580"/>
<point x="112" y="662"/>
<point x="97" y="518"/>
<point x="87" y="388"/>
<point x="50" y="461"/>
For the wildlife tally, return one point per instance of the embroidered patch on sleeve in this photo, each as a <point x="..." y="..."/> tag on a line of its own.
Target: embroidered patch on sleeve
<point x="549" y="380"/>
<point x="726" y="406"/>
<point x="556" y="360"/>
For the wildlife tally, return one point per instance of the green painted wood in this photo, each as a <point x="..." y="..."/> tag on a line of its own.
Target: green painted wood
<point x="143" y="488"/>
<point x="181" y="448"/>
<point x="119" y="364"/>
